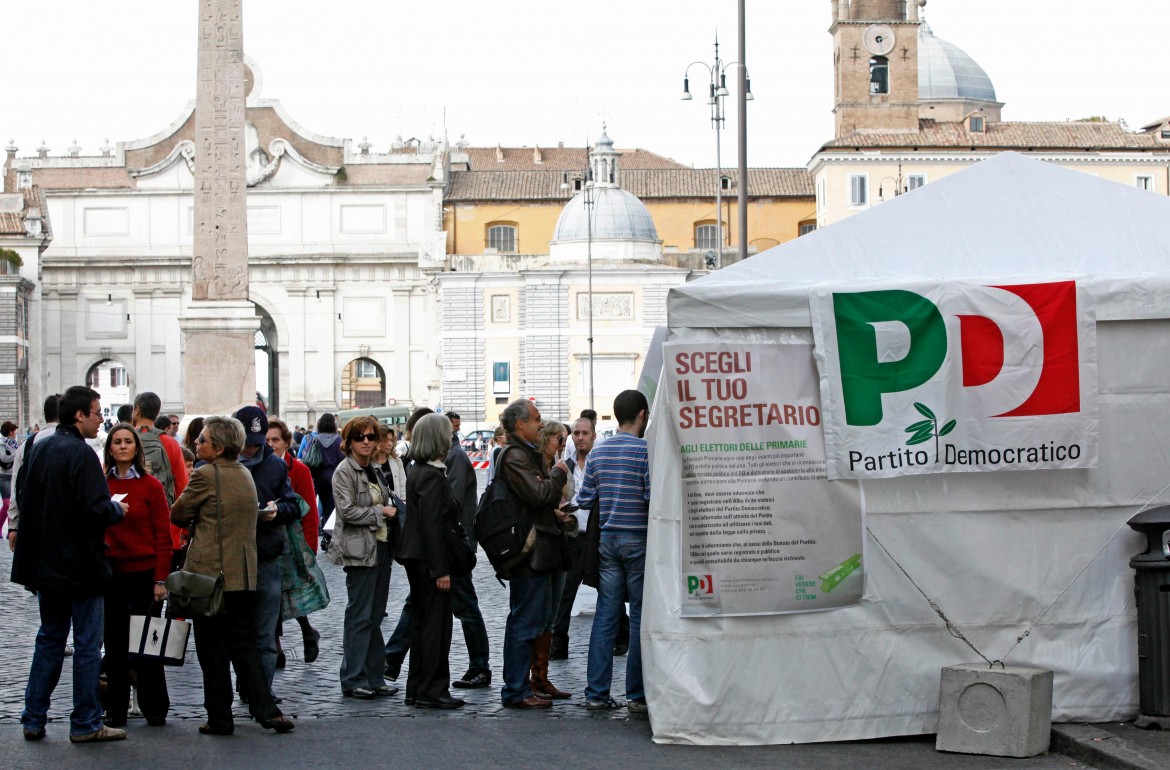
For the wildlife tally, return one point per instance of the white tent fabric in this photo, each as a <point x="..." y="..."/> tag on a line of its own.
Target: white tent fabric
<point x="994" y="550"/>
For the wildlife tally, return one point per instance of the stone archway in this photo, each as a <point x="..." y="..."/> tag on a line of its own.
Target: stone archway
<point x="363" y="384"/>
<point x="112" y="380"/>
<point x="267" y="363"/>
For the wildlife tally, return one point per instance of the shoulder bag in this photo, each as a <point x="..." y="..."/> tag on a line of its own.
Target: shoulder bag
<point x="191" y="595"/>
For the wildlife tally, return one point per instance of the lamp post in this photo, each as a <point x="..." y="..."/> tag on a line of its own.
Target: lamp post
<point x="588" y="193"/>
<point x="716" y="93"/>
<point x="898" y="190"/>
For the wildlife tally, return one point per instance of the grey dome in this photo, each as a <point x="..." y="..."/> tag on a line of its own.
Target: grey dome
<point x="945" y="71"/>
<point x="617" y="215"/>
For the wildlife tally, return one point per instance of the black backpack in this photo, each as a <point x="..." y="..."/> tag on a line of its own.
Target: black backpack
<point x="506" y="536"/>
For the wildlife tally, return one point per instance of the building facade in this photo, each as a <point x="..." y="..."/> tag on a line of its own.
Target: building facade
<point x="343" y="244"/>
<point x="24" y="235"/>
<point x="911" y="108"/>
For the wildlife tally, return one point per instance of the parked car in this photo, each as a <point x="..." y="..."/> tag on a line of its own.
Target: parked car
<point x="477" y="441"/>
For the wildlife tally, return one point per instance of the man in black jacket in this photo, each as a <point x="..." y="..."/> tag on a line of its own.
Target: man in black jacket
<point x="537" y="493"/>
<point x="60" y="556"/>
<point x="278" y="507"/>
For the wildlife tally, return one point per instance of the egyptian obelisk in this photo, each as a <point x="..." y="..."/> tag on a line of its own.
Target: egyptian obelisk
<point x="219" y="324"/>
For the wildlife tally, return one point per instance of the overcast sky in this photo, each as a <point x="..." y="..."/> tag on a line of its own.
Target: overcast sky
<point x="525" y="72"/>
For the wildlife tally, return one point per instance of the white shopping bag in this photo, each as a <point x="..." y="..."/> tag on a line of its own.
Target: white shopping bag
<point x="163" y="640"/>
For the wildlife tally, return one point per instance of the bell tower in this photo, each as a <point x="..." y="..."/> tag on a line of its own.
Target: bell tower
<point x="875" y="64"/>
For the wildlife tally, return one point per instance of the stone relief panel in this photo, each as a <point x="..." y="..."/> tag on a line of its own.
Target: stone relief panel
<point x="501" y="309"/>
<point x="607" y="306"/>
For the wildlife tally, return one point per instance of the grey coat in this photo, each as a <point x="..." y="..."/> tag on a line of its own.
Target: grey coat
<point x="357" y="517"/>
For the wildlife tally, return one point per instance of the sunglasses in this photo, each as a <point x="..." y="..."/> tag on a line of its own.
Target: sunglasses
<point x="365" y="437"/>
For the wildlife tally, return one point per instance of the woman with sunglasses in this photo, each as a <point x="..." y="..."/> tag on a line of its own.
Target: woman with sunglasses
<point x="553" y="438"/>
<point x="363" y="544"/>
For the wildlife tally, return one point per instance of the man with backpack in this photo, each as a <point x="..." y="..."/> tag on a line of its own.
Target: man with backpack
<point x="535" y="494"/>
<point x="164" y="456"/>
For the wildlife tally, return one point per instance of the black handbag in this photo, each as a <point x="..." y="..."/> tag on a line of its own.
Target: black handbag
<point x="460" y="554"/>
<point x="590" y="549"/>
<point x="191" y="595"/>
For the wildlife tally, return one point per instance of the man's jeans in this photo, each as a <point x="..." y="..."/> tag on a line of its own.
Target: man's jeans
<point x="465" y="608"/>
<point x="526" y="597"/>
<point x="622" y="567"/>
<point x="267" y="616"/>
<point x="87" y="615"/>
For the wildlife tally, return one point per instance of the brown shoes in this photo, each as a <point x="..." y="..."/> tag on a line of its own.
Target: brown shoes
<point x="531" y="702"/>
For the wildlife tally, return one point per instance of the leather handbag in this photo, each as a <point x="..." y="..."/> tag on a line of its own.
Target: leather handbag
<point x="191" y="595"/>
<point x="460" y="554"/>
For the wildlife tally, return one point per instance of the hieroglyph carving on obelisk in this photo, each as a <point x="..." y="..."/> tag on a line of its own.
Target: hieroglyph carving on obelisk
<point x="220" y="263"/>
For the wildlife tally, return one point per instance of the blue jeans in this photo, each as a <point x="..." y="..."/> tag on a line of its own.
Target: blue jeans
<point x="267" y="616"/>
<point x="526" y="600"/>
<point x="87" y="615"/>
<point x="622" y="567"/>
<point x="465" y="608"/>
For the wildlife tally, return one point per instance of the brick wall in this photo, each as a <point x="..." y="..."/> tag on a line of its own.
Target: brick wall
<point x="462" y="311"/>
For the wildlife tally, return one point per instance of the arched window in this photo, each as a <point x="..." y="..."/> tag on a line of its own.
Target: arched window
<point x="363" y="384"/>
<point x="879" y="75"/>
<point x="706" y="236"/>
<point x="502" y="237"/>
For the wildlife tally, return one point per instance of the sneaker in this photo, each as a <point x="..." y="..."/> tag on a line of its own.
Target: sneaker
<point x="605" y="704"/>
<point x="69" y="651"/>
<point x="99" y="735"/>
<point x="34" y="733"/>
<point x="359" y="692"/>
<point x="638" y="706"/>
<point x="473" y="680"/>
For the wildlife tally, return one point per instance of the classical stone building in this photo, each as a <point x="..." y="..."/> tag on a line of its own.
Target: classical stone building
<point x="24" y="235"/>
<point x="518" y="325"/>
<point x="911" y="108"/>
<point x="507" y="200"/>
<point x="342" y="242"/>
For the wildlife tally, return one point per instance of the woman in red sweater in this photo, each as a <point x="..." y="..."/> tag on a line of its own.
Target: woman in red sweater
<point x="139" y="550"/>
<point x="279" y="437"/>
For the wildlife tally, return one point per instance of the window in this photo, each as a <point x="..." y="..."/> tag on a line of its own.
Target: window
<point x="914" y="181"/>
<point x="707" y="237"/>
<point x="501" y="378"/>
<point x="117" y="377"/>
<point x="363" y="369"/>
<point x="976" y="124"/>
<point x="1165" y="134"/>
<point x="502" y="238"/>
<point x="1144" y="181"/>
<point x="725" y="182"/>
<point x="807" y="227"/>
<point x="858" y="190"/>
<point x="879" y="75"/>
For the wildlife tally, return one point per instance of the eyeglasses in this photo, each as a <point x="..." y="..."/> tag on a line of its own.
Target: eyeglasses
<point x="561" y="439"/>
<point x="365" y="437"/>
<point x="200" y="440"/>
<point x="174" y="424"/>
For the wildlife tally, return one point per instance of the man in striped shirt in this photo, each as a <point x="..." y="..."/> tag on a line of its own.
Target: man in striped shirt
<point x="617" y="474"/>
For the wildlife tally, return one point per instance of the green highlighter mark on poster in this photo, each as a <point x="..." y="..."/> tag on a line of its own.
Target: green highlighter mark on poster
<point x="833" y="578"/>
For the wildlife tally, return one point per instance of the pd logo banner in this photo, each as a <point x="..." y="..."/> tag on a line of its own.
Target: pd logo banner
<point x="933" y="378"/>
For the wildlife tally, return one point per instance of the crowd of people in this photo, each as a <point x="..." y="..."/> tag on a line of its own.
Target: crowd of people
<point x="239" y="498"/>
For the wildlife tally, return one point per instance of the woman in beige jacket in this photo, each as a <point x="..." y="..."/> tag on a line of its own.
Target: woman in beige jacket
<point x="220" y="503"/>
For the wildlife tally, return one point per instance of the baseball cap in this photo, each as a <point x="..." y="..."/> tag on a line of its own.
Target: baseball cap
<point x="255" y="424"/>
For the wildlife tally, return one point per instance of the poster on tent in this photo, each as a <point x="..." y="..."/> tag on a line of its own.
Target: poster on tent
<point x="956" y="376"/>
<point x="763" y="529"/>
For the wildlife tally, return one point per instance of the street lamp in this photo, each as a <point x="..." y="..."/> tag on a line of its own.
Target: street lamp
<point x="716" y="93"/>
<point x="589" y="197"/>
<point x="898" y="189"/>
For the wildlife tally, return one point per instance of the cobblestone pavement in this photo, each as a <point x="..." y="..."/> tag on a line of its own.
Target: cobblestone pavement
<point x="312" y="689"/>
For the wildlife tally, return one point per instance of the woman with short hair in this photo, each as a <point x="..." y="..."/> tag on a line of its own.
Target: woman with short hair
<point x="431" y="507"/>
<point x="362" y="544"/>
<point x="279" y="437"/>
<point x="220" y="500"/>
<point x="139" y="550"/>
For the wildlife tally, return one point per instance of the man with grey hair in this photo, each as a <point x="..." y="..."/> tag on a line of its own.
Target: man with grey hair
<point x="536" y="495"/>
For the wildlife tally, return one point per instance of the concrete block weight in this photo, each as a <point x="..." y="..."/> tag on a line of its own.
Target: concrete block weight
<point x="1004" y="712"/>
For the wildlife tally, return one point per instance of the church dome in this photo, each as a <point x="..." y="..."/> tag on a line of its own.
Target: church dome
<point x="617" y="215"/>
<point x="945" y="71"/>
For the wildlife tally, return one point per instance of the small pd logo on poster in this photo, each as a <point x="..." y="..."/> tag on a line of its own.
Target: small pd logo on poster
<point x="701" y="588"/>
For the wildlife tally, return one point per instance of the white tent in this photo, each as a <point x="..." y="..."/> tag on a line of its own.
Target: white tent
<point x="994" y="550"/>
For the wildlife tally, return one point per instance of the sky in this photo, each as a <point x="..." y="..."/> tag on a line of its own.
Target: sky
<point x="528" y="72"/>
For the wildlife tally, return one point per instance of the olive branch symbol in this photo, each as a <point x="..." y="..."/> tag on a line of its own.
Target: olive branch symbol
<point x="928" y="429"/>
